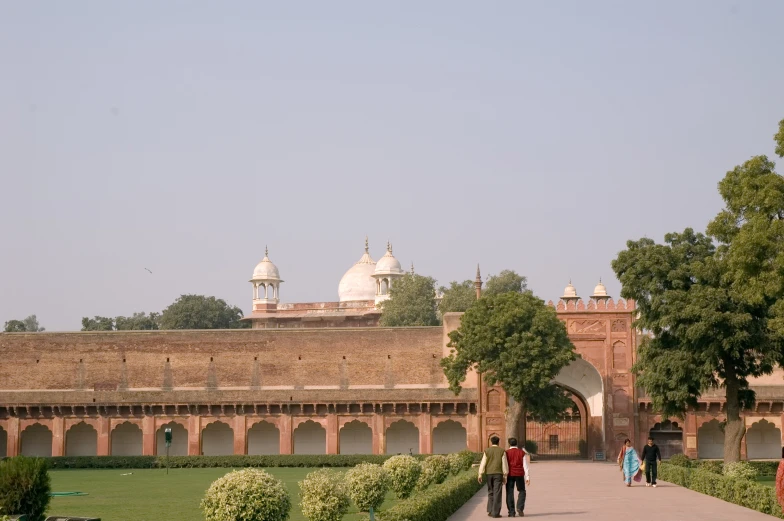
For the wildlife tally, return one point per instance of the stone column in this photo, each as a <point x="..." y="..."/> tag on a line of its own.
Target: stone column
<point x="194" y="435"/>
<point x="472" y="433"/>
<point x="286" y="444"/>
<point x="240" y="435"/>
<point x="148" y="436"/>
<point x="104" y="435"/>
<point x="425" y="434"/>
<point x="14" y="443"/>
<point x="332" y="433"/>
<point x="379" y="434"/>
<point x="58" y="436"/>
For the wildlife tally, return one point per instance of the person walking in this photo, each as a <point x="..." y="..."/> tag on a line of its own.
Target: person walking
<point x="496" y="467"/>
<point x="651" y="455"/>
<point x="629" y="462"/>
<point x="519" y="476"/>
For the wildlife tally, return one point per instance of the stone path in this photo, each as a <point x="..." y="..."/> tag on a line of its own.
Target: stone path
<point x="575" y="491"/>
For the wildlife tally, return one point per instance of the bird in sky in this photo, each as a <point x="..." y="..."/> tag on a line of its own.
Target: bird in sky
<point x="148" y="269"/>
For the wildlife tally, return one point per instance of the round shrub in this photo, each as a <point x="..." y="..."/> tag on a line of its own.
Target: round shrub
<point x="740" y="470"/>
<point x="681" y="460"/>
<point x="367" y="485"/>
<point x="531" y="447"/>
<point x="426" y="478"/>
<point x="404" y="472"/>
<point x="246" y="494"/>
<point x="468" y="458"/>
<point x="24" y="487"/>
<point x="323" y="496"/>
<point x="715" y="466"/>
<point x="455" y="462"/>
<point x="440" y="466"/>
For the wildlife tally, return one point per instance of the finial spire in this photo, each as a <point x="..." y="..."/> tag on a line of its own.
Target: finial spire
<point x="266" y="251"/>
<point x="367" y="247"/>
<point x="412" y="267"/>
<point x="478" y="282"/>
<point x="389" y="247"/>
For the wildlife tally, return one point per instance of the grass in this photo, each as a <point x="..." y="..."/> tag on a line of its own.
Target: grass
<point x="768" y="481"/>
<point x="150" y="494"/>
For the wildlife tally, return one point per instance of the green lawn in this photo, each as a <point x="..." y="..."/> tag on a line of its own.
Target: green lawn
<point x="769" y="481"/>
<point x="148" y="495"/>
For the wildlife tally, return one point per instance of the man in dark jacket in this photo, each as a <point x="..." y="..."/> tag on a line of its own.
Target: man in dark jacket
<point x="651" y="456"/>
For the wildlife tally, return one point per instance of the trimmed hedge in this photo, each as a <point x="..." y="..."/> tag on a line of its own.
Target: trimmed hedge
<point x="437" y="502"/>
<point x="739" y="491"/>
<point x="283" y="460"/>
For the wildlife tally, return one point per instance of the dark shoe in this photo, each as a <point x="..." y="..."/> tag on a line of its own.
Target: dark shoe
<point x="499" y="515"/>
<point x="521" y="513"/>
<point x="511" y="514"/>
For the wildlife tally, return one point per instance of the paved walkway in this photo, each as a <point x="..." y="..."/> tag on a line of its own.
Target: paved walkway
<point x="575" y="491"/>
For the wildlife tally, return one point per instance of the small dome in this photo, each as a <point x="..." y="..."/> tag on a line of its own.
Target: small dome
<point x="358" y="283"/>
<point x="570" y="292"/>
<point x="599" y="291"/>
<point x="266" y="270"/>
<point x="388" y="264"/>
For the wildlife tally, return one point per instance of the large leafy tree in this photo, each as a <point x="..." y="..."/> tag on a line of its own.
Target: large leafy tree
<point x="201" y="312"/>
<point x="97" y="324"/>
<point x="515" y="340"/>
<point x="411" y="302"/>
<point x="506" y="281"/>
<point x="713" y="302"/>
<point x="458" y="297"/>
<point x="138" y="321"/>
<point x="28" y="325"/>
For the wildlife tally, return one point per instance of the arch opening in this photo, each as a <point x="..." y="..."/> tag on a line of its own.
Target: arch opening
<point x="763" y="441"/>
<point x="669" y="437"/>
<point x="449" y="436"/>
<point x="36" y="440"/>
<point x="710" y="441"/>
<point x="402" y="438"/>
<point x="356" y="438"/>
<point x="81" y="440"/>
<point x="310" y="438"/>
<point x="179" y="444"/>
<point x="126" y="440"/>
<point x="565" y="438"/>
<point x="263" y="438"/>
<point x="217" y="439"/>
<point x="3" y="443"/>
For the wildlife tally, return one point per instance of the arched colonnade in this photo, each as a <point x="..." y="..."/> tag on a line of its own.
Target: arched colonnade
<point x="213" y="436"/>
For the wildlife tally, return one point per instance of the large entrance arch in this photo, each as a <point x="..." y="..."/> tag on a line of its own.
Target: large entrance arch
<point x="586" y="387"/>
<point x="566" y="438"/>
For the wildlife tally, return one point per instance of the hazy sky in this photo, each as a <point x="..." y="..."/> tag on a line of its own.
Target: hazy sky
<point x="536" y="136"/>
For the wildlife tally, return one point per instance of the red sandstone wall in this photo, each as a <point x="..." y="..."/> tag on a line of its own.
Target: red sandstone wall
<point x="223" y="359"/>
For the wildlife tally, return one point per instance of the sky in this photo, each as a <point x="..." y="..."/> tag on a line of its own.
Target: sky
<point x="184" y="137"/>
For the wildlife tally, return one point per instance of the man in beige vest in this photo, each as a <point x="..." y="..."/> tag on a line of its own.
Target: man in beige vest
<point x="496" y="467"/>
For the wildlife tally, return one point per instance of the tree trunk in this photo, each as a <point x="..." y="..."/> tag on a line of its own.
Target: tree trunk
<point x="735" y="428"/>
<point x="514" y="428"/>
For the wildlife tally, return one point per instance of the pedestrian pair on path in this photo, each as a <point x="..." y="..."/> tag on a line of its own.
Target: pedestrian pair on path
<point x="633" y="465"/>
<point x="505" y="467"/>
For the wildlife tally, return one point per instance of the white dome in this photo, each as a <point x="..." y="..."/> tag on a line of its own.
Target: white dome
<point x="266" y="270"/>
<point x="388" y="264"/>
<point x="570" y="292"/>
<point x="358" y="282"/>
<point x="599" y="291"/>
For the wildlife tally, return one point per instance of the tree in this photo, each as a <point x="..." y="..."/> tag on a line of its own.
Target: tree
<point x="515" y="340"/>
<point x="507" y="280"/>
<point x="411" y="302"/>
<point x="29" y="325"/>
<point x="714" y="303"/>
<point x="457" y="297"/>
<point x="15" y="326"/>
<point x="139" y="321"/>
<point x="201" y="312"/>
<point x="779" y="139"/>
<point x="97" y="324"/>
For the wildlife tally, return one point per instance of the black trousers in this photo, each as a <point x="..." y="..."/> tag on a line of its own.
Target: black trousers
<point x="511" y="481"/>
<point x="651" y="469"/>
<point x="494" y="487"/>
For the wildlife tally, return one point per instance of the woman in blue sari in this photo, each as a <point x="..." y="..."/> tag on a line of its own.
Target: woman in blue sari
<point x="629" y="462"/>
